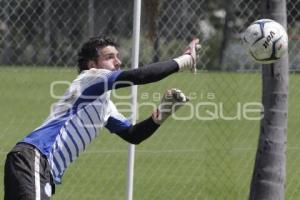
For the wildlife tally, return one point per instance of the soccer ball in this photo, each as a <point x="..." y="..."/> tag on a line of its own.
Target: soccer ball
<point x="266" y="41"/>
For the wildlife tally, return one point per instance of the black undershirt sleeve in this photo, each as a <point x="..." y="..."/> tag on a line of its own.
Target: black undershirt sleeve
<point x="139" y="132"/>
<point x="147" y="74"/>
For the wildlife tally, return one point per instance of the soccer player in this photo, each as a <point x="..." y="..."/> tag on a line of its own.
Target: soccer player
<point x="37" y="163"/>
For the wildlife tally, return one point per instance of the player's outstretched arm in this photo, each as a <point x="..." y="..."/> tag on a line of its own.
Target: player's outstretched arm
<point x="172" y="100"/>
<point x="157" y="71"/>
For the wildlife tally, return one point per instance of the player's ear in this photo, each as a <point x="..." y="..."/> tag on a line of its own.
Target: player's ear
<point x="91" y="64"/>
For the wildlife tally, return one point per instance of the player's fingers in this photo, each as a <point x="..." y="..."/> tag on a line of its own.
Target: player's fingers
<point x="198" y="47"/>
<point x="179" y="95"/>
<point x="196" y="40"/>
<point x="187" y="98"/>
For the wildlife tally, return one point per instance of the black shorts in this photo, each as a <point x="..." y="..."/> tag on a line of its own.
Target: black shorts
<point x="27" y="174"/>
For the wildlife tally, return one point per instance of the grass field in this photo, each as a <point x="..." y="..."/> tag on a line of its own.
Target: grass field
<point x="185" y="160"/>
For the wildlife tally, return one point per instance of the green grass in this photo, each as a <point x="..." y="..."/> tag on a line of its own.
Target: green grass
<point x="186" y="159"/>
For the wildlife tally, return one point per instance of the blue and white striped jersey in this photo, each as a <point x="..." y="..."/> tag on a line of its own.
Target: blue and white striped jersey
<point x="76" y="119"/>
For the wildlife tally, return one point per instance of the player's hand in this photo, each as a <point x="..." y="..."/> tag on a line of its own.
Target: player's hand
<point x="193" y="49"/>
<point x="172" y="100"/>
<point x="189" y="58"/>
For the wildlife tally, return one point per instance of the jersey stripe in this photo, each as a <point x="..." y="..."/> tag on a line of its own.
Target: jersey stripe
<point x="90" y="119"/>
<point x="93" y="106"/>
<point x="68" y="149"/>
<point x="59" y="156"/>
<point x="54" y="171"/>
<point x="83" y="125"/>
<point x="81" y="130"/>
<point x="78" y="133"/>
<point x="73" y="142"/>
<point x="56" y="166"/>
<point x="59" y="161"/>
<point x="37" y="183"/>
<point x="62" y="157"/>
<point x="76" y="137"/>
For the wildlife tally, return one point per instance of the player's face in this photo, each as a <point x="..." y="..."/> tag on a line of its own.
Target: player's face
<point x="108" y="59"/>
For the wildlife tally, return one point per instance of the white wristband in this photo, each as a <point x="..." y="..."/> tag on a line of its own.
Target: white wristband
<point x="184" y="62"/>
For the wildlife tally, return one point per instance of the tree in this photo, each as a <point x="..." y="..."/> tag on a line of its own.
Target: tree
<point x="269" y="170"/>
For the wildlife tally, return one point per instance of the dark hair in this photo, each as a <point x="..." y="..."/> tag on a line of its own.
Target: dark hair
<point x="89" y="50"/>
